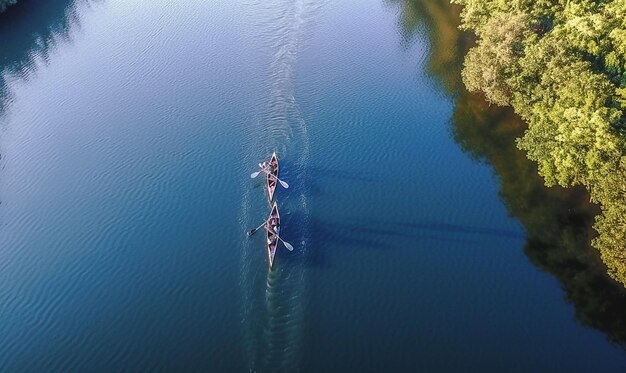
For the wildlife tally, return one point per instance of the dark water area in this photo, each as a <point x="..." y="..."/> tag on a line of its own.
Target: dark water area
<point x="423" y="240"/>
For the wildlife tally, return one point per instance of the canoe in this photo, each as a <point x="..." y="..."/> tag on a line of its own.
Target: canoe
<point x="272" y="230"/>
<point x="271" y="177"/>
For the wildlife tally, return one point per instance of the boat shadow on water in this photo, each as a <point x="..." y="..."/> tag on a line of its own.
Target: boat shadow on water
<point x="325" y="237"/>
<point x="458" y="229"/>
<point x="307" y="180"/>
<point x="359" y="177"/>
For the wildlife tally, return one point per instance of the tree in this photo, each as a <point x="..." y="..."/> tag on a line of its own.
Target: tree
<point x="562" y="67"/>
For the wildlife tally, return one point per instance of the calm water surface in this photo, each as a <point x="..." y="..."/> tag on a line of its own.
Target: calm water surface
<point x="128" y="131"/>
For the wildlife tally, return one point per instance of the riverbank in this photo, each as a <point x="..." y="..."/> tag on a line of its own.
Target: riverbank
<point x="558" y="221"/>
<point x="562" y="68"/>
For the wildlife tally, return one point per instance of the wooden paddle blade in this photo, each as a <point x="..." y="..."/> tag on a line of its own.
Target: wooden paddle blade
<point x="284" y="184"/>
<point x="254" y="174"/>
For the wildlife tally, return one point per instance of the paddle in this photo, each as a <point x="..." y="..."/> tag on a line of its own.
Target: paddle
<point x="287" y="244"/>
<point x="253" y="231"/>
<point x="255" y="174"/>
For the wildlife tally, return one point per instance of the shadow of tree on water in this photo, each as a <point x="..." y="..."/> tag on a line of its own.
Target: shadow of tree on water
<point x="30" y="32"/>
<point x="448" y="228"/>
<point x="557" y="221"/>
<point x="371" y="234"/>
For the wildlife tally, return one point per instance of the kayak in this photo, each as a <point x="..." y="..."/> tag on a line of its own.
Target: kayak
<point x="272" y="228"/>
<point x="272" y="177"/>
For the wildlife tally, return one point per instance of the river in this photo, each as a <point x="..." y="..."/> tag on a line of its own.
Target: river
<point x="423" y="240"/>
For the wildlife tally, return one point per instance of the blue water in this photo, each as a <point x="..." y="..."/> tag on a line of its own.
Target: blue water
<point x="128" y="132"/>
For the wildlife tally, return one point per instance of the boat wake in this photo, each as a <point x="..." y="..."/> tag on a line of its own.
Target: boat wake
<point x="274" y="301"/>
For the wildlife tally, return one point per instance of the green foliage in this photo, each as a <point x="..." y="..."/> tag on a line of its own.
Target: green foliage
<point x="621" y="97"/>
<point x="557" y="221"/>
<point x="501" y="45"/>
<point x="5" y="3"/>
<point x="562" y="67"/>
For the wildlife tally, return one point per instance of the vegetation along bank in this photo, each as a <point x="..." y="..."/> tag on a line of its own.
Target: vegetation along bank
<point x="562" y="67"/>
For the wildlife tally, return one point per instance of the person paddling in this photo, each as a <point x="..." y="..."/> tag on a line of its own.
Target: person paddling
<point x="269" y="168"/>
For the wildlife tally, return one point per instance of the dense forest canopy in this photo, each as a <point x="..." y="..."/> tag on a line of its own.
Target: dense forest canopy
<point x="562" y="66"/>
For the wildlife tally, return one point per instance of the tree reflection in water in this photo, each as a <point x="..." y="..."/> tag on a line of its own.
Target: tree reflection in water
<point x="557" y="221"/>
<point x="30" y="32"/>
